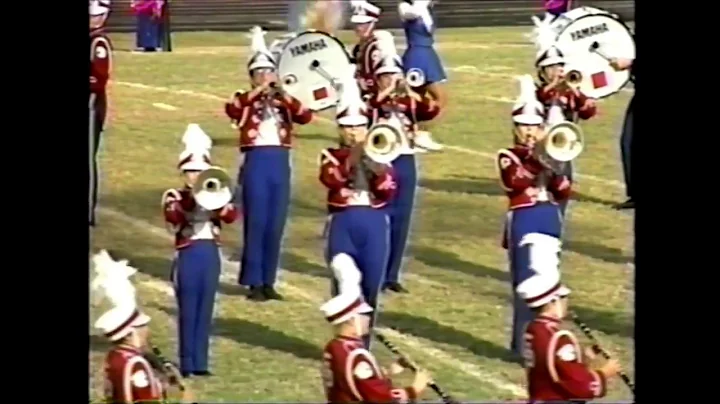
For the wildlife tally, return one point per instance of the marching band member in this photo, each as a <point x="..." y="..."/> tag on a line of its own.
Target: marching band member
<point x="265" y="117"/>
<point x="396" y="102"/>
<point x="534" y="223"/>
<point x="100" y="65"/>
<point x="420" y="60"/>
<point x="365" y="52"/>
<point x="554" y="8"/>
<point x="358" y="191"/>
<point x="562" y="101"/>
<point x="553" y="358"/>
<point x="129" y="377"/>
<point x="148" y="14"/>
<point x="197" y="264"/>
<point x="351" y="373"/>
<point x="627" y="132"/>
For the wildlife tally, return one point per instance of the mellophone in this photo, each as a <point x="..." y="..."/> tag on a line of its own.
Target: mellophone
<point x="598" y="349"/>
<point x="446" y="398"/>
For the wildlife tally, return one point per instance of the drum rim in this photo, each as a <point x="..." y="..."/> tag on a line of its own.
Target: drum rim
<point x="316" y="31"/>
<point x="619" y="20"/>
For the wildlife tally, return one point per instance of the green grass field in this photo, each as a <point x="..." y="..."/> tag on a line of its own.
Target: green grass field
<point x="456" y="320"/>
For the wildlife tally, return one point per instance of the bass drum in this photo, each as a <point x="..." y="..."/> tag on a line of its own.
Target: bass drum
<point x="593" y="38"/>
<point x="301" y="62"/>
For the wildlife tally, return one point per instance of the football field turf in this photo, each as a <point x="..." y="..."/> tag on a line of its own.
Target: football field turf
<point x="456" y="320"/>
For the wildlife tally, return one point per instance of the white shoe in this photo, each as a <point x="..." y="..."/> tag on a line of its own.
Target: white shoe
<point x="424" y="140"/>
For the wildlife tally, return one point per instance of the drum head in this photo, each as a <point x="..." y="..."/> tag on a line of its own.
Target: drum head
<point x="563" y="20"/>
<point x="593" y="38"/>
<point x="305" y="62"/>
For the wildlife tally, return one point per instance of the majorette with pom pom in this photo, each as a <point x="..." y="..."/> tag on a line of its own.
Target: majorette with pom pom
<point x="196" y="266"/>
<point x="358" y="191"/>
<point x="265" y="117"/>
<point x="534" y="224"/>
<point x="404" y="110"/>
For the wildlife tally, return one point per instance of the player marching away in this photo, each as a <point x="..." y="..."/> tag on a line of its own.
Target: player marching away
<point x="534" y="223"/>
<point x="265" y="117"/>
<point x="351" y="373"/>
<point x="554" y="361"/>
<point x="196" y="268"/>
<point x="396" y="103"/>
<point x="358" y="191"/>
<point x="562" y="101"/>
<point x="100" y="65"/>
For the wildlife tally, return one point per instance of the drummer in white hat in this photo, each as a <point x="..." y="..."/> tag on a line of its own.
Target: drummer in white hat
<point x="552" y="355"/>
<point x="351" y="372"/>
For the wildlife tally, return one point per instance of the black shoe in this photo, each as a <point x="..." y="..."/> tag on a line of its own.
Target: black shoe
<point x="256" y="294"/>
<point x="629" y="204"/>
<point x="271" y="293"/>
<point x="203" y="373"/>
<point x="395" y="287"/>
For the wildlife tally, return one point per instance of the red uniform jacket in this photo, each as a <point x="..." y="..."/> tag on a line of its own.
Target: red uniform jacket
<point x="248" y="116"/>
<point x="571" y="104"/>
<point x="129" y="378"/>
<point x="100" y="62"/>
<point x="518" y="169"/>
<point x="554" y="365"/>
<point x="182" y="215"/>
<point x="366" y="54"/>
<point x="411" y="112"/>
<point x="335" y="175"/>
<point x="351" y="375"/>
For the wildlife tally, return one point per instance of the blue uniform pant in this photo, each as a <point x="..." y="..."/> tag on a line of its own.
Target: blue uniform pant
<point x="400" y="210"/>
<point x="362" y="233"/>
<point x="543" y="218"/>
<point x="196" y="274"/>
<point x="147" y="32"/>
<point x="625" y="142"/>
<point x="265" y="181"/>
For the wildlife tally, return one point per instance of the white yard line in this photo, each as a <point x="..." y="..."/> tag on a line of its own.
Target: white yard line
<point x="229" y="277"/>
<point x="163" y="106"/>
<point x="460" y="149"/>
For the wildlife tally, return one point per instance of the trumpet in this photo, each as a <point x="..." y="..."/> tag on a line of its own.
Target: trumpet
<point x="212" y="189"/>
<point x="275" y="90"/>
<point x="165" y="366"/>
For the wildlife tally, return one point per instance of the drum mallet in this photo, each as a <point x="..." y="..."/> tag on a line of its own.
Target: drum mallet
<point x="595" y="47"/>
<point x="315" y="65"/>
<point x="446" y="398"/>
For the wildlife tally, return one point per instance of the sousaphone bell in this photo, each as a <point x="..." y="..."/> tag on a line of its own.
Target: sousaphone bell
<point x="212" y="189"/>
<point x="383" y="143"/>
<point x="564" y="142"/>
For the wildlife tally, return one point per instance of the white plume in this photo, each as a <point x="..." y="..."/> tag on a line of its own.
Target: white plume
<point x="542" y="34"/>
<point x="112" y="280"/>
<point x="196" y="139"/>
<point x="257" y="41"/>
<point x="386" y="43"/>
<point x="527" y="89"/>
<point x="349" y="91"/>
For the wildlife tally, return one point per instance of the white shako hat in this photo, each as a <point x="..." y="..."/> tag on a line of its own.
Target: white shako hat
<point x="364" y="12"/>
<point x="118" y="322"/>
<point x="350" y="110"/>
<point x="196" y="156"/>
<point x="260" y="55"/>
<point x="99" y="7"/>
<point x="527" y="109"/>
<point x="389" y="60"/>
<point x="343" y="307"/>
<point x="541" y="289"/>
<point x="544" y="38"/>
